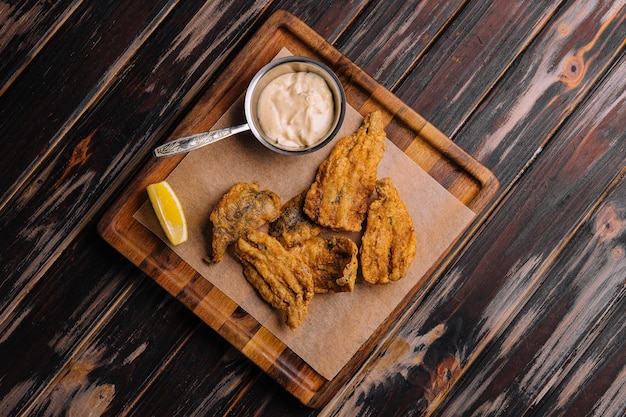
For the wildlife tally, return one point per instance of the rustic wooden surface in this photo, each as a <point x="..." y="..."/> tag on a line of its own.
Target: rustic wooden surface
<point x="455" y="170"/>
<point x="526" y="319"/>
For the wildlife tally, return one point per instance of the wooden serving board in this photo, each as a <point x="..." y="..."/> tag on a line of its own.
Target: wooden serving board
<point x="455" y="170"/>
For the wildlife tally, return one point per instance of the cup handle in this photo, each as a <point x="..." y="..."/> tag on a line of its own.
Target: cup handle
<point x="197" y="140"/>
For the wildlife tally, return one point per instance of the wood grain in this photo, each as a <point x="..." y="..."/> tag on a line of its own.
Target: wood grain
<point x="388" y="51"/>
<point x="470" y="57"/>
<point x="582" y="285"/>
<point x="119" y="227"/>
<point x="495" y="65"/>
<point x="92" y="31"/>
<point x="197" y="368"/>
<point x="45" y="330"/>
<point x="543" y="86"/>
<point x="277" y="404"/>
<point x="480" y="294"/>
<point x="114" y="152"/>
<point x="93" y="381"/>
<point x="87" y="163"/>
<point x="25" y="29"/>
<point x="575" y="323"/>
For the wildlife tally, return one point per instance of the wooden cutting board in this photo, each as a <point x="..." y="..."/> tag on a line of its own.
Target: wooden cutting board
<point x="455" y="170"/>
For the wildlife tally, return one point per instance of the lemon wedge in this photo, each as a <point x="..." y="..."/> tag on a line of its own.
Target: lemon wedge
<point x="169" y="211"/>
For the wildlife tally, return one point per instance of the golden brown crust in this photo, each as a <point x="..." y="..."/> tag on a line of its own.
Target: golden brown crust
<point x="241" y="209"/>
<point x="293" y="226"/>
<point x="333" y="262"/>
<point x="280" y="277"/>
<point x="293" y="260"/>
<point x="389" y="243"/>
<point x="346" y="179"/>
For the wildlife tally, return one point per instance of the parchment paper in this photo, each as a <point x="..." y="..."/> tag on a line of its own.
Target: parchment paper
<point x="336" y="324"/>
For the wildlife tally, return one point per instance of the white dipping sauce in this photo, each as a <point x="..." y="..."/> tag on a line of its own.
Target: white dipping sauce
<point x="296" y="109"/>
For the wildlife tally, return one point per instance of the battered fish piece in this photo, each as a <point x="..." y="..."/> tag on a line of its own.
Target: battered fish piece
<point x="346" y="179"/>
<point x="333" y="262"/>
<point x="241" y="209"/>
<point x="389" y="243"/>
<point x="293" y="226"/>
<point x="280" y="277"/>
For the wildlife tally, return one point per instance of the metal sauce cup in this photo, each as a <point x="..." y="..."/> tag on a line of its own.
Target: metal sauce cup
<point x="261" y="79"/>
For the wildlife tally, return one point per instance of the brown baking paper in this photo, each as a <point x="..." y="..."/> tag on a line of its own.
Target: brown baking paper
<point x="336" y="324"/>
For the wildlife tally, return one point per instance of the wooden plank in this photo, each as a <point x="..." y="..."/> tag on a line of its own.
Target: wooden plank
<point x="276" y="404"/>
<point x="221" y="388"/>
<point x="91" y="381"/>
<point x="262" y="382"/>
<point x="518" y="46"/>
<point x="202" y="55"/>
<point x="565" y="352"/>
<point x="329" y="19"/>
<point x="72" y="70"/>
<point x="603" y="390"/>
<point x="123" y="231"/>
<point x="544" y="85"/>
<point x="470" y="57"/>
<point x="60" y="201"/>
<point x="484" y="289"/>
<point x="194" y="387"/>
<point x="66" y="192"/>
<point x="26" y="27"/>
<point x="53" y="319"/>
<point x="374" y="27"/>
<point x="387" y="38"/>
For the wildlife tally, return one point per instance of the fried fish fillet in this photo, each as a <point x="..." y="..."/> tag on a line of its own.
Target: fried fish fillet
<point x="345" y="180"/>
<point x="280" y="277"/>
<point x="389" y="243"/>
<point x="241" y="209"/>
<point x="333" y="262"/>
<point x="293" y="226"/>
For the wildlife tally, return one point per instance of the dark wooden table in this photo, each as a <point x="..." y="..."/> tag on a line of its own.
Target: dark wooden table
<point x="527" y="317"/>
